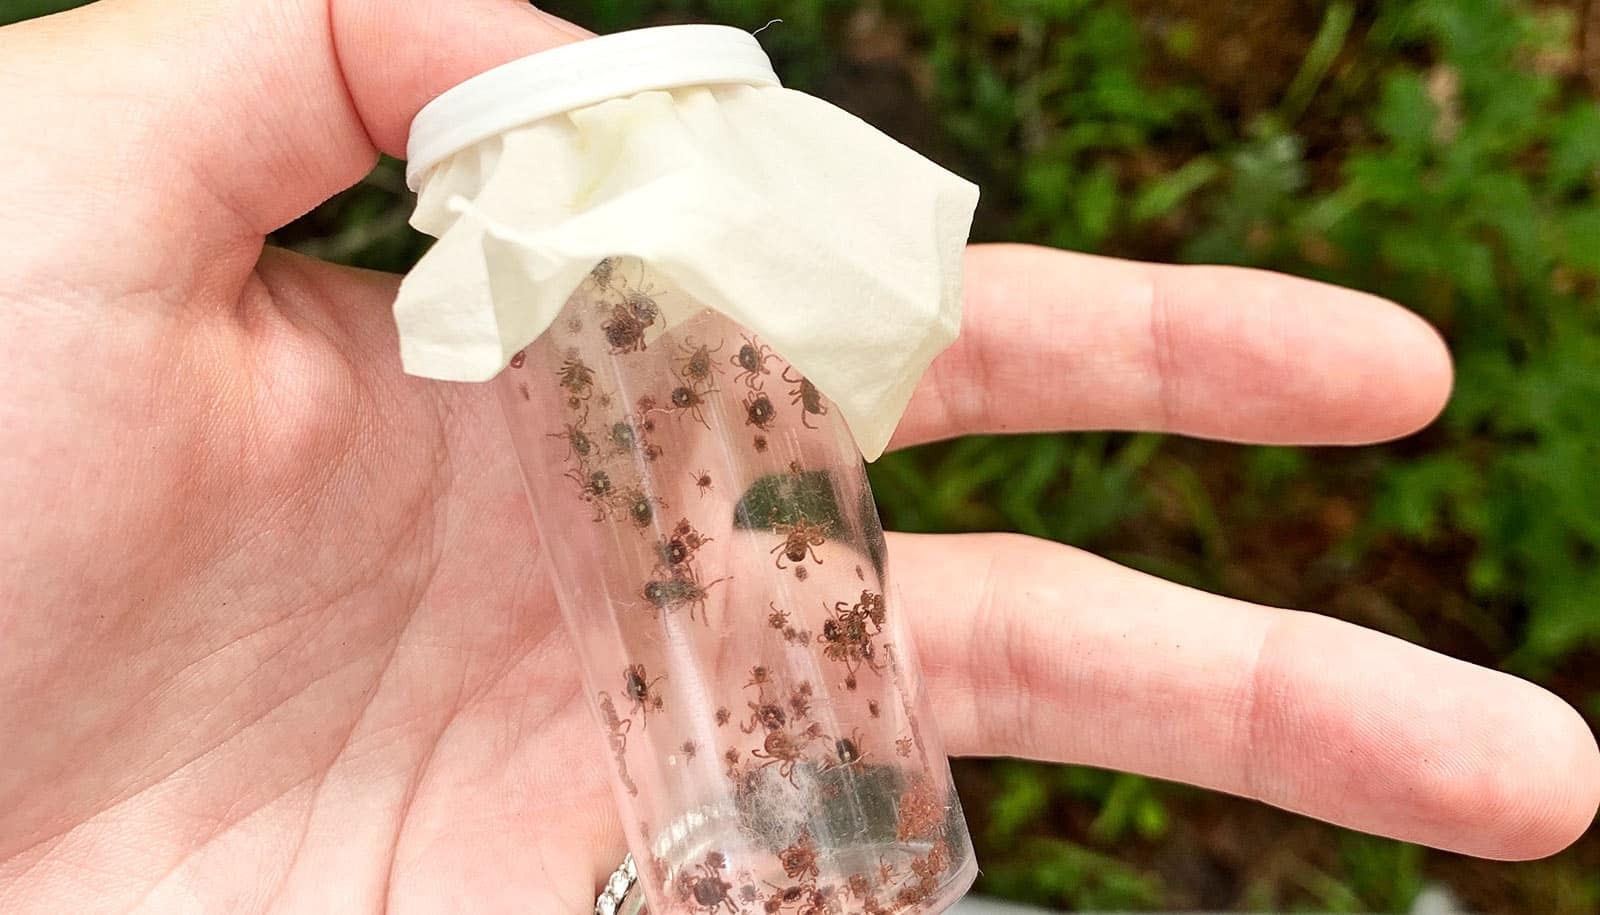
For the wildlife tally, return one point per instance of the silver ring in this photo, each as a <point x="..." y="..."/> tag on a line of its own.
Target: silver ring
<point x="687" y="837"/>
<point x="620" y="895"/>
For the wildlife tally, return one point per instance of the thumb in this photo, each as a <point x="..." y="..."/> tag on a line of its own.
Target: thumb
<point x="393" y="65"/>
<point x="157" y="129"/>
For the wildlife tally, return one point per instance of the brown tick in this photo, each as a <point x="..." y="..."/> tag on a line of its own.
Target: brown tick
<point x="702" y="480"/>
<point x="807" y="395"/>
<point x="777" y="619"/>
<point x="623" y="436"/>
<point x="758" y="411"/>
<point x="642" y="691"/>
<point x="782" y="897"/>
<point x="594" y="487"/>
<point x="751" y="361"/>
<point x="799" y="860"/>
<point x="674" y="552"/>
<point x="575" y="376"/>
<point x="786" y="750"/>
<point x="800" y="701"/>
<point x="847" y="751"/>
<point x="682" y="589"/>
<point x="624" y="330"/>
<point x="642" y="305"/>
<point x="766" y="716"/>
<point x="640" y="507"/>
<point x="688" y="400"/>
<point x="698" y="367"/>
<point x="577" y="441"/>
<point x="706" y="889"/>
<point x="800" y="540"/>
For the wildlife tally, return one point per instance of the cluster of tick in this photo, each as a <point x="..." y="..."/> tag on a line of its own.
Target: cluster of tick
<point x="751" y="361"/>
<point x="783" y="717"/>
<point x="778" y="620"/>
<point x="884" y="890"/>
<point x="597" y="444"/>
<point x="606" y="444"/>
<point x="676" y="582"/>
<point x="791" y="740"/>
<point x="847" y="635"/>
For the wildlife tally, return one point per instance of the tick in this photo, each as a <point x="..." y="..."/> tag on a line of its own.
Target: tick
<point x="751" y="361"/>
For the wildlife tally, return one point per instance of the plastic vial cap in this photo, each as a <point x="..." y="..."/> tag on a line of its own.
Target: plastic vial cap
<point x="575" y="75"/>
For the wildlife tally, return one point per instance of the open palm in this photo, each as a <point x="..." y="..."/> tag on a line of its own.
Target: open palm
<point x="274" y="632"/>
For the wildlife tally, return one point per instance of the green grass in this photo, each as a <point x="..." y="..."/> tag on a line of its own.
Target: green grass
<point x="1445" y="153"/>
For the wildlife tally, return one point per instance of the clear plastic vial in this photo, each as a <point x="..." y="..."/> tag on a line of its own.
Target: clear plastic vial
<point x="722" y="572"/>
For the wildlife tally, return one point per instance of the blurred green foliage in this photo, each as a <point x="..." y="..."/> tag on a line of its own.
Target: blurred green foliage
<point x="1467" y="190"/>
<point x="18" y="10"/>
<point x="1476" y="204"/>
<point x="1035" y="866"/>
<point x="1444" y="153"/>
<point x="1473" y="198"/>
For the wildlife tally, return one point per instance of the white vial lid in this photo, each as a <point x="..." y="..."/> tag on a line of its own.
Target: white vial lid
<point x="575" y="75"/>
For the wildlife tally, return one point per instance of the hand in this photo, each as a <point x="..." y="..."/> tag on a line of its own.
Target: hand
<point x="271" y="636"/>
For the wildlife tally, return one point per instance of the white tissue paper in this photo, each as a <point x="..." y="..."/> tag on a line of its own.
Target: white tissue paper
<point x="836" y="245"/>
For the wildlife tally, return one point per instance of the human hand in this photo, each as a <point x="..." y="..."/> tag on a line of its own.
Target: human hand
<point x="272" y="635"/>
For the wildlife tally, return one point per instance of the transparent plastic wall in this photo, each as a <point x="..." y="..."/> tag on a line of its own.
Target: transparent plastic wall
<point x="721" y="569"/>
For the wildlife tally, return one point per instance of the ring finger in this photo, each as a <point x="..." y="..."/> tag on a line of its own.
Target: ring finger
<point x="1037" y="650"/>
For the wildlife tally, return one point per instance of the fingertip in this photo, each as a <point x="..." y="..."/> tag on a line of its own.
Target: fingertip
<point x="1414" y="369"/>
<point x="1524" y="783"/>
<point x="1561" y="793"/>
<point x="1359" y="367"/>
<point x="1252" y="355"/>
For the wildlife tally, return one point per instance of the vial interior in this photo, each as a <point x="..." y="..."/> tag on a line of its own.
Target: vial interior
<point x="721" y="569"/>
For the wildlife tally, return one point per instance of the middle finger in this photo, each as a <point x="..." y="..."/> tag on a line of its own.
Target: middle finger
<point x="1054" y="340"/>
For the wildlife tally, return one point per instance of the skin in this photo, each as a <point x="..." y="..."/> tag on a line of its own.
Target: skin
<point x="271" y="639"/>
